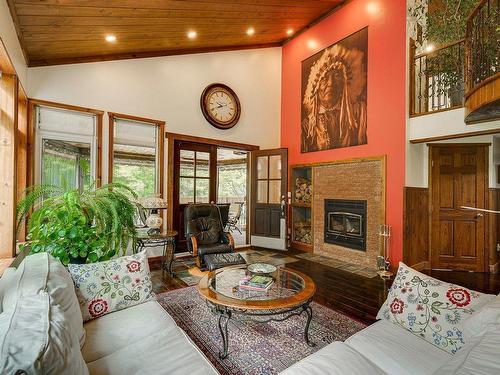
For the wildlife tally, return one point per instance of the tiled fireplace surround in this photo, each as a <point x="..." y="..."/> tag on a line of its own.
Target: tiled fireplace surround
<point x="362" y="179"/>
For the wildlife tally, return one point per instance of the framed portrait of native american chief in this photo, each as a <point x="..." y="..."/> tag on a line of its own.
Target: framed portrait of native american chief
<point x="334" y="93"/>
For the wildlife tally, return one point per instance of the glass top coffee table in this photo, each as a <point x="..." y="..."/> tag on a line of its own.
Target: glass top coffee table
<point x="289" y="295"/>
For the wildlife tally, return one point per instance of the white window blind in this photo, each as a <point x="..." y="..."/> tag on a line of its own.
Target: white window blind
<point x="134" y="133"/>
<point x="64" y="121"/>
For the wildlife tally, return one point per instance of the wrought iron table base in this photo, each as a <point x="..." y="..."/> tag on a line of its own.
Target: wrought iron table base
<point x="168" y="246"/>
<point x="226" y="313"/>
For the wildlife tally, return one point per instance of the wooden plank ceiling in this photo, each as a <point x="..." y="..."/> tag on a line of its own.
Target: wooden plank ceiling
<point x="70" y="31"/>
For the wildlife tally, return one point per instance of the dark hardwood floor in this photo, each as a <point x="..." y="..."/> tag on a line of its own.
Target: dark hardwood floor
<point x="357" y="296"/>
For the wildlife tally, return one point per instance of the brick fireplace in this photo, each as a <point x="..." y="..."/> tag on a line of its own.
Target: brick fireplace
<point x="358" y="188"/>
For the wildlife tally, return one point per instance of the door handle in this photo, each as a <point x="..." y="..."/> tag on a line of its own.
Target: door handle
<point x="283" y="207"/>
<point x="479" y="215"/>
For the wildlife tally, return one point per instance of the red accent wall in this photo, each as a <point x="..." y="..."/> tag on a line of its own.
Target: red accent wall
<point x="386" y="107"/>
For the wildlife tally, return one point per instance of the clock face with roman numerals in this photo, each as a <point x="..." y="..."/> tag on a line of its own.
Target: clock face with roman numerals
<point x="220" y="106"/>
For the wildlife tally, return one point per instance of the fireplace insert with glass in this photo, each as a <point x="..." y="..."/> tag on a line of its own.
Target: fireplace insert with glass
<point x="345" y="223"/>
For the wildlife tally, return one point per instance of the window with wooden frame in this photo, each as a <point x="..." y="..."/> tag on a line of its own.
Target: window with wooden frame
<point x="136" y="153"/>
<point x="68" y="142"/>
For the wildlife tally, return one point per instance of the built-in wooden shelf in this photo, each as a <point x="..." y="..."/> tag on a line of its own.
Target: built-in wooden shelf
<point x="298" y="204"/>
<point x="302" y="246"/>
<point x="301" y="212"/>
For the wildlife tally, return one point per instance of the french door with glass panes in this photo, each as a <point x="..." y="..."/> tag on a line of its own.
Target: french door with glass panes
<point x="269" y="202"/>
<point x="195" y="181"/>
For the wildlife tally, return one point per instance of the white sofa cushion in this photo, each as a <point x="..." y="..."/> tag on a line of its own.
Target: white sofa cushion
<point x="7" y="281"/>
<point x="481" y="356"/>
<point x="336" y="358"/>
<point x="42" y="272"/>
<point x="430" y="308"/>
<point x="169" y="353"/>
<point x="397" y="351"/>
<point x="112" y="285"/>
<point x="36" y="338"/>
<point x="142" y="339"/>
<point x="482" y="320"/>
<point x="117" y="330"/>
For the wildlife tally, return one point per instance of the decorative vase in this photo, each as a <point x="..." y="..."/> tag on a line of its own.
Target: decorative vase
<point x="154" y="221"/>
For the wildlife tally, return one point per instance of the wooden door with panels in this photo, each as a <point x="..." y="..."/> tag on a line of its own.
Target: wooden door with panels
<point x="269" y="202"/>
<point x="458" y="178"/>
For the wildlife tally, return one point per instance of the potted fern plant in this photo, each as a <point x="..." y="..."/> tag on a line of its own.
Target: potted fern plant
<point x="78" y="226"/>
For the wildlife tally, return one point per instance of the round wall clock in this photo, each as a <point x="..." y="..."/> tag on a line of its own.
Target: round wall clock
<point x="220" y="106"/>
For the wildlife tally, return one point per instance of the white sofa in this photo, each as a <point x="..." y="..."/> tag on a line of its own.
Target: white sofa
<point x="142" y="339"/>
<point x="386" y="348"/>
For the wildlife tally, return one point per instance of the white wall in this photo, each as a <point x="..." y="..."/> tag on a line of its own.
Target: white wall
<point x="444" y="123"/>
<point x="169" y="89"/>
<point x="9" y="39"/>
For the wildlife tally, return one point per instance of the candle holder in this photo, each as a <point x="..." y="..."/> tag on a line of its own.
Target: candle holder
<point x="383" y="263"/>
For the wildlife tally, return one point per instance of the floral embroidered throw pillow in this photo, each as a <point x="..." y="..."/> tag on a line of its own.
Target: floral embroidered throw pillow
<point x="113" y="285"/>
<point x="430" y="308"/>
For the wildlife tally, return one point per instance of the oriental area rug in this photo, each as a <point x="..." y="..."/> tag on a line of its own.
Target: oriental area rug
<point x="255" y="348"/>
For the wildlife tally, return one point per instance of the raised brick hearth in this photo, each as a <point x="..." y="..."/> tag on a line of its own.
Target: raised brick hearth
<point x="362" y="179"/>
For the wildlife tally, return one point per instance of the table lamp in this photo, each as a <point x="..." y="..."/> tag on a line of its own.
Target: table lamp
<point x="154" y="220"/>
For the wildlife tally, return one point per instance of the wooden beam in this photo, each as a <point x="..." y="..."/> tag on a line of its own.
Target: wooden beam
<point x="22" y="151"/>
<point x="6" y="65"/>
<point x="217" y="142"/>
<point x="8" y="146"/>
<point x="69" y="107"/>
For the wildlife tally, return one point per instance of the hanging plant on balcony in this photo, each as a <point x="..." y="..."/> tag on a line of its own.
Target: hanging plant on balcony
<point x="79" y="226"/>
<point x="447" y="20"/>
<point x="445" y="23"/>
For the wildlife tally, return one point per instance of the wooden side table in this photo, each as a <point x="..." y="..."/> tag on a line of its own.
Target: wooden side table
<point x="166" y="240"/>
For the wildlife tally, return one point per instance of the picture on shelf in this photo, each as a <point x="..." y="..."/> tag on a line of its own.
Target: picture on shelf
<point x="334" y="95"/>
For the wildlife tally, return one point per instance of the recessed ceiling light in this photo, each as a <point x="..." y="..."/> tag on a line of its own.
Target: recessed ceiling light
<point x="289" y="32"/>
<point x="251" y="31"/>
<point x="110" y="38"/>
<point x="192" y="34"/>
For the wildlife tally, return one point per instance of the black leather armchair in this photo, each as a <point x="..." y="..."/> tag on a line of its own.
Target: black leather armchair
<point x="204" y="232"/>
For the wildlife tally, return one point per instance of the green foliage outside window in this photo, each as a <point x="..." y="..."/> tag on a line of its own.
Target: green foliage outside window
<point x="140" y="178"/>
<point x="233" y="184"/>
<point x="61" y="171"/>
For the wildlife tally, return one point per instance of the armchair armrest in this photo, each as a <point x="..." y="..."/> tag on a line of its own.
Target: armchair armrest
<point x="192" y="243"/>
<point x="228" y="238"/>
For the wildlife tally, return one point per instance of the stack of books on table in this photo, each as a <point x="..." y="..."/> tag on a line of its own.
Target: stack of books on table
<point x="256" y="282"/>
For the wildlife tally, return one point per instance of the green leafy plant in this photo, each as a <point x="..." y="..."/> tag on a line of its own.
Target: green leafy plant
<point x="446" y="23"/>
<point x="447" y="20"/>
<point x="77" y="227"/>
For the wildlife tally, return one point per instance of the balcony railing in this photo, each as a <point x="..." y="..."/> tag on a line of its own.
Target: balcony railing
<point x="436" y="79"/>
<point x="482" y="44"/>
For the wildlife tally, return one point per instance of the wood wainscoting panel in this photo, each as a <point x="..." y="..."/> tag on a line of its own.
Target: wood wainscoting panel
<point x="493" y="229"/>
<point x="416" y="227"/>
